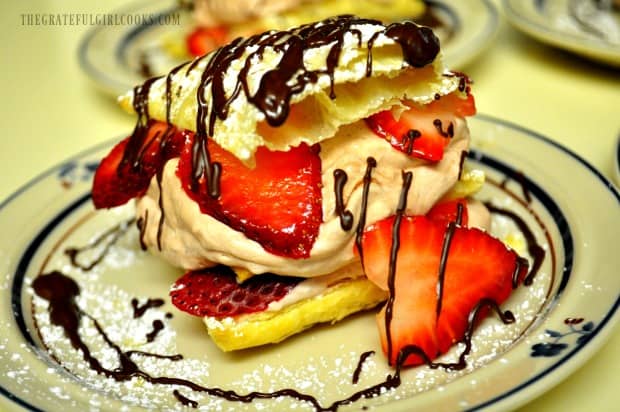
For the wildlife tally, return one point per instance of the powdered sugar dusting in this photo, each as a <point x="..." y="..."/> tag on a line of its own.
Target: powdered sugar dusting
<point x="320" y="362"/>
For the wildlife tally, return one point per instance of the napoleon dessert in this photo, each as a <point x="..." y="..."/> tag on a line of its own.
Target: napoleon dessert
<point x="301" y="176"/>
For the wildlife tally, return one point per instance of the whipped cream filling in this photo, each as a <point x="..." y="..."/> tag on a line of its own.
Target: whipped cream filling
<point x="193" y="240"/>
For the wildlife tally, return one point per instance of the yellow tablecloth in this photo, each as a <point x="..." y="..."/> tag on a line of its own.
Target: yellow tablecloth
<point x="52" y="111"/>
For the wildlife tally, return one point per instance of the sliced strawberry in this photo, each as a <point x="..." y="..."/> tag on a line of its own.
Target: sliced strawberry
<point x="446" y="212"/>
<point x="423" y="131"/>
<point x="215" y="292"/>
<point x="454" y="103"/>
<point x="278" y="203"/>
<point x="205" y="39"/>
<point x="126" y="171"/>
<point x="108" y="189"/>
<point x="478" y="266"/>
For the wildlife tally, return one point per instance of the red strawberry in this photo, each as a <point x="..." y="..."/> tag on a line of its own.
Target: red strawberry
<point x="446" y="212"/>
<point x="453" y="103"/>
<point x="215" y="292"/>
<point x="423" y="131"/>
<point x="126" y="171"/>
<point x="478" y="266"/>
<point x="278" y="203"/>
<point x="204" y="39"/>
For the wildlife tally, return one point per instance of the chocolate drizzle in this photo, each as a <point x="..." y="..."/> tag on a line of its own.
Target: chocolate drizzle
<point x="358" y="369"/>
<point x="136" y="145"/>
<point x="110" y="236"/>
<point x="522" y="182"/>
<point x="160" y="203"/>
<point x="158" y="326"/>
<point x="409" y="138"/>
<point x="61" y="292"/>
<point x="535" y="250"/>
<point x="464" y="81"/>
<point x="462" y="162"/>
<point x="443" y="262"/>
<point x="506" y="317"/>
<point x="400" y="210"/>
<point x="520" y="264"/>
<point x="371" y="163"/>
<point x="141" y="224"/>
<point x="184" y="400"/>
<point x="140" y="310"/>
<point x="459" y="214"/>
<point x="277" y="86"/>
<point x="346" y="217"/>
<point x="448" y="133"/>
<point x="419" y="44"/>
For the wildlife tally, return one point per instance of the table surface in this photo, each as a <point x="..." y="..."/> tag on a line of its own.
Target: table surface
<point x="52" y="112"/>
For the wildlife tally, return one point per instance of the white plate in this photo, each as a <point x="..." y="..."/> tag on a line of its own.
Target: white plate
<point x="553" y="23"/>
<point x="617" y="162"/>
<point x="509" y="364"/>
<point x="111" y="55"/>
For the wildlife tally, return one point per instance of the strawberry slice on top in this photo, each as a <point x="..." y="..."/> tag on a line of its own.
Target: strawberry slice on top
<point x="204" y="39"/>
<point x="423" y="131"/>
<point x="278" y="203"/>
<point x="431" y="305"/>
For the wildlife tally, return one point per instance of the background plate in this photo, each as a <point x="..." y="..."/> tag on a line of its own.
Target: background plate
<point x="112" y="56"/>
<point x="553" y="23"/>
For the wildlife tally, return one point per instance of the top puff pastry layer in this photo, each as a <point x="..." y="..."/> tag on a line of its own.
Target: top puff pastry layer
<point x="315" y="113"/>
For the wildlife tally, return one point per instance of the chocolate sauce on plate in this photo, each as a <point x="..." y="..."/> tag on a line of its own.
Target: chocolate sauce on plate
<point x="358" y="369"/>
<point x="535" y="250"/>
<point x="61" y="292"/>
<point x="140" y="310"/>
<point x="158" y="326"/>
<point x="110" y="237"/>
<point x="506" y="317"/>
<point x="184" y="400"/>
<point x="520" y="178"/>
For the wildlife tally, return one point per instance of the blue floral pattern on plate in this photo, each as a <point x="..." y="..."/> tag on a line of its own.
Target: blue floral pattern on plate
<point x="71" y="172"/>
<point x="556" y="346"/>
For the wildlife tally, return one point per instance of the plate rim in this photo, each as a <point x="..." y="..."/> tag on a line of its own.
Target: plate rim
<point x="602" y="331"/>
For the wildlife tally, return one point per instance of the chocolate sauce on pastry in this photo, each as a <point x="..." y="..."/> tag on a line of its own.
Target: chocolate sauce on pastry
<point x="277" y="86"/>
